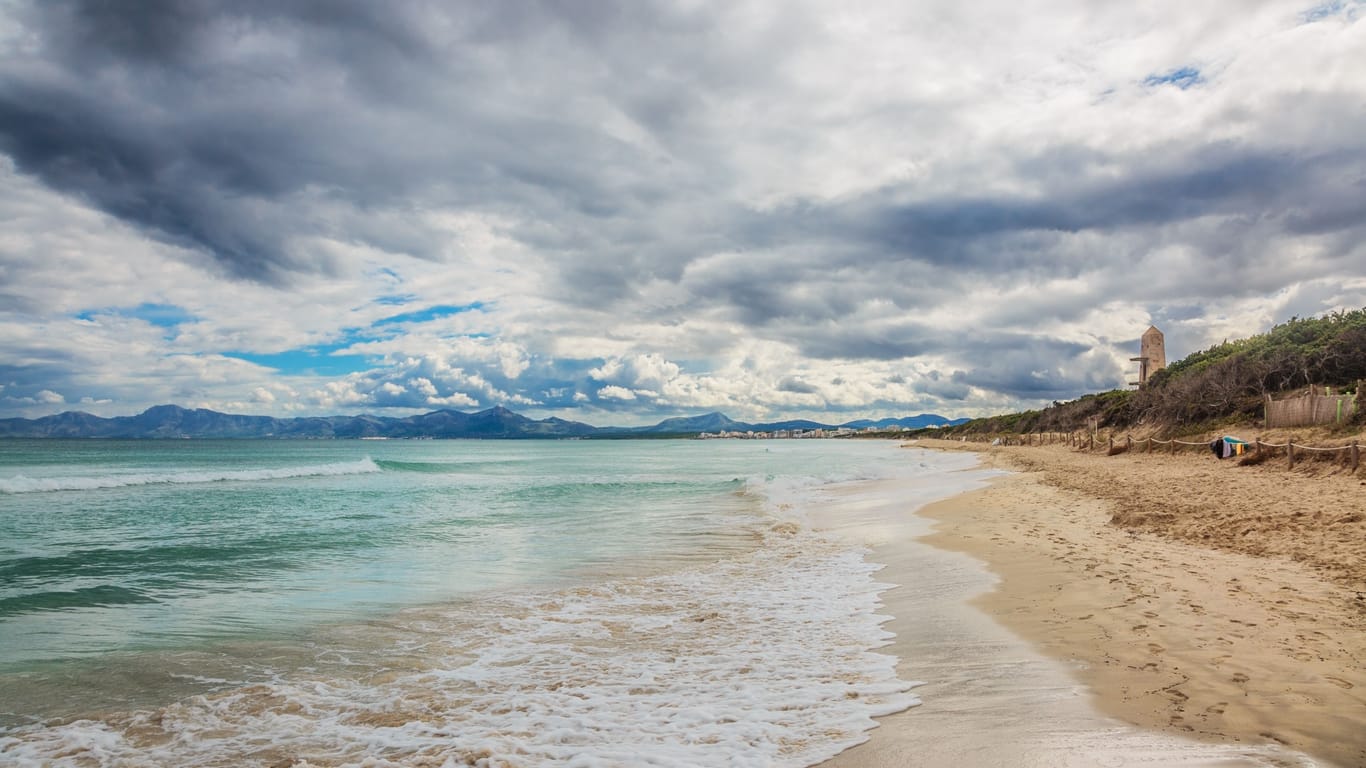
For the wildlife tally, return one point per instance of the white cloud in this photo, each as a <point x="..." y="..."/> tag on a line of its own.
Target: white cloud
<point x="457" y="400"/>
<point x="847" y="209"/>
<point x="49" y="397"/>
<point x="613" y="392"/>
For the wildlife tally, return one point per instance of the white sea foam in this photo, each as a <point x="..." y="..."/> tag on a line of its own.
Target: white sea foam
<point x="763" y="660"/>
<point x="23" y="484"/>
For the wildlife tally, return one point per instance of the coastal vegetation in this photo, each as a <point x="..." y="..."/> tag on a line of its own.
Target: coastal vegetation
<point x="1227" y="383"/>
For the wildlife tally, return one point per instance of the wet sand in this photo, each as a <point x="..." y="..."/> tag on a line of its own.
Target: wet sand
<point x="1047" y="635"/>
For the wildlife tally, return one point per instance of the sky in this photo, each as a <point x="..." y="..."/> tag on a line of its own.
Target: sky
<point x="621" y="212"/>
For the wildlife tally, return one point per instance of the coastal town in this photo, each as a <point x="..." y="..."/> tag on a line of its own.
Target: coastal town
<point x="804" y="434"/>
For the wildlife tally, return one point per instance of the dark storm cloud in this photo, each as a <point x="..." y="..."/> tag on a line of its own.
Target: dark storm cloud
<point x="1219" y="180"/>
<point x="951" y="387"/>
<point x="1034" y="367"/>
<point x="796" y="386"/>
<point x="31" y="369"/>
<point x="201" y="121"/>
<point x="849" y="341"/>
<point x="815" y="264"/>
<point x="198" y="121"/>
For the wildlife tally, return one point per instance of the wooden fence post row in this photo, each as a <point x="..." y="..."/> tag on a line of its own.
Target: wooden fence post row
<point x="1087" y="441"/>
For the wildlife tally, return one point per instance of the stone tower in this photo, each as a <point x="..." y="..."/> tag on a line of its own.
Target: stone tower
<point x="1152" y="355"/>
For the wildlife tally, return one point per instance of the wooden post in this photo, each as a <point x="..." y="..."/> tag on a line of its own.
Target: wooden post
<point x="1356" y="455"/>
<point x="1128" y="442"/>
<point x="1290" y="452"/>
<point x="1111" y="449"/>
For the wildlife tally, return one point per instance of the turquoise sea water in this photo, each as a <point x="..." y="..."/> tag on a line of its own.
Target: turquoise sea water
<point x="406" y="601"/>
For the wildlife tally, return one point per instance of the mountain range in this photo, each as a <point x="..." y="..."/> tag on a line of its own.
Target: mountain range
<point x="171" y="421"/>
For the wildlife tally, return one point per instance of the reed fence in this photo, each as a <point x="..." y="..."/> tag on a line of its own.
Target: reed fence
<point x="1312" y="407"/>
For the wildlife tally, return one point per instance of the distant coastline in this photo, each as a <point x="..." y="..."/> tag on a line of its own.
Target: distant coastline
<point x="175" y="422"/>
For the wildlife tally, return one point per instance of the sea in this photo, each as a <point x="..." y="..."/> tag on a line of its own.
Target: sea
<point x="442" y="602"/>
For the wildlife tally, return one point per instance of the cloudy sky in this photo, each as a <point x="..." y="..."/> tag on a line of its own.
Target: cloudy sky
<point x="618" y="212"/>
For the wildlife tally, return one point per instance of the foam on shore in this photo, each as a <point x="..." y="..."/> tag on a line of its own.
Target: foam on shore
<point x="767" y="658"/>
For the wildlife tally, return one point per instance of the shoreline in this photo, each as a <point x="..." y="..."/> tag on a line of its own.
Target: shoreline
<point x="1117" y="645"/>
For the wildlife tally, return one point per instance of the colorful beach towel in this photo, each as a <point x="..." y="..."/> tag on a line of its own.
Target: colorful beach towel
<point x="1227" y="447"/>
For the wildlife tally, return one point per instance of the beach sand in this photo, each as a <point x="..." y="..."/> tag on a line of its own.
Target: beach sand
<point x="1189" y="637"/>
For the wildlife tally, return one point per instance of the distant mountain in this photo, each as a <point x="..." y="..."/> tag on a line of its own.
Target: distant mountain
<point x="691" y="425"/>
<point x="802" y="424"/>
<point x="172" y="421"/>
<point x="910" y="422"/>
<point x="718" y="422"/>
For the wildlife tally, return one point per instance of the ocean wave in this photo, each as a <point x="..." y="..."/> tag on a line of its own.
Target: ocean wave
<point x="23" y="484"/>
<point x="100" y="596"/>
<point x="442" y="467"/>
<point x="765" y="660"/>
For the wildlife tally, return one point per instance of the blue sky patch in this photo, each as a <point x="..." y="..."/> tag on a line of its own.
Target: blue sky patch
<point x="1322" y="11"/>
<point x="316" y="360"/>
<point x="160" y="315"/>
<point x="430" y="313"/>
<point x="1183" y="78"/>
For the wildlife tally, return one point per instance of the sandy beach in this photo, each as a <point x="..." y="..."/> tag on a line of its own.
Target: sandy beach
<point x="1138" y="609"/>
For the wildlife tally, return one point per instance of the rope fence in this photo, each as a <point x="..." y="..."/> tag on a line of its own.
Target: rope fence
<point x="1087" y="441"/>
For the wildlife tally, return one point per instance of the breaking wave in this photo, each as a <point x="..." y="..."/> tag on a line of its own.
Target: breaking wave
<point x="23" y="484"/>
<point x="765" y="660"/>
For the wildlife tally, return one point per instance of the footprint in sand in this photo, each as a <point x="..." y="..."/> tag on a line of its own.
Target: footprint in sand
<point x="1339" y="682"/>
<point x="1273" y="737"/>
<point x="1155" y="649"/>
<point x="1240" y="678"/>
<point x="1217" y="708"/>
